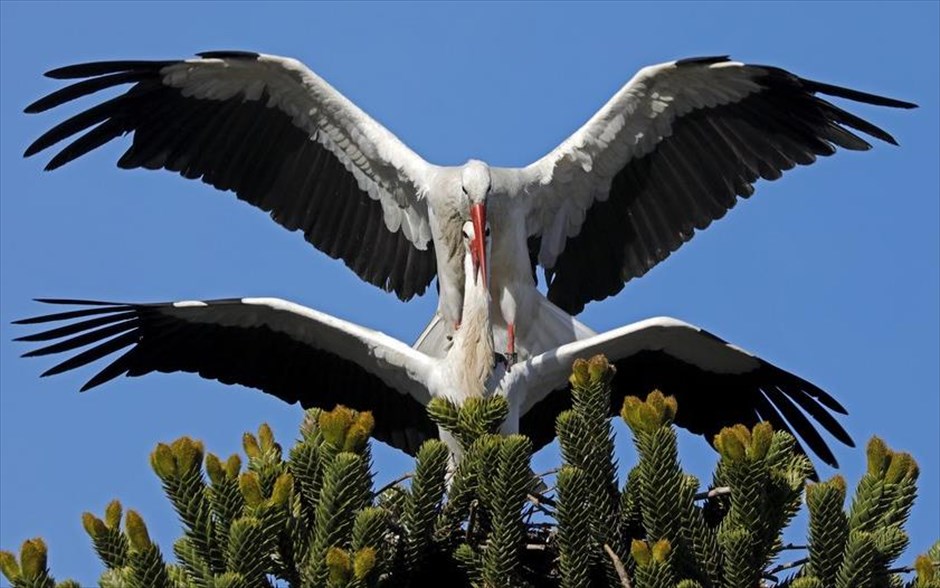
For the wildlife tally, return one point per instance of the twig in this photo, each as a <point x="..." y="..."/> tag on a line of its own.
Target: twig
<point x="788" y="565"/>
<point x="618" y="565"/>
<point x="792" y="546"/>
<point x="393" y="483"/>
<point x="550" y="472"/>
<point x="537" y="506"/>
<point x="900" y="570"/>
<point x="540" y="499"/>
<point x="527" y="515"/>
<point x="719" y="491"/>
<point x="471" y="519"/>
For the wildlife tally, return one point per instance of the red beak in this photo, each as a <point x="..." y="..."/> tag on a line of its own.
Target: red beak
<point x="478" y="247"/>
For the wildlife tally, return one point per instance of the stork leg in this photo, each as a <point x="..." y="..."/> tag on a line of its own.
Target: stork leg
<point x="511" y="355"/>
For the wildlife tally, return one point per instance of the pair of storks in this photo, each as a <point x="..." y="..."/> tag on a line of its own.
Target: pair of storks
<point x="667" y="155"/>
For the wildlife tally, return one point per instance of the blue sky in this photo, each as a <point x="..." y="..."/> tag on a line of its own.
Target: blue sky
<point x="832" y="272"/>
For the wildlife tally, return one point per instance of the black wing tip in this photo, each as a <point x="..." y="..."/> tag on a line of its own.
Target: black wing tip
<point x="228" y="54"/>
<point x="833" y="405"/>
<point x="820" y="395"/>
<point x="60" y="301"/>
<point x="54" y="370"/>
<point x="80" y="70"/>
<point x="34" y="147"/>
<point x="89" y="385"/>
<point x="53" y="165"/>
<point x="76" y="302"/>
<point x="93" y="69"/>
<point x="707" y="60"/>
<point x="34" y="108"/>
<point x="889" y="139"/>
<point x="64" y="72"/>
<point x="857" y="95"/>
<point x="98" y="68"/>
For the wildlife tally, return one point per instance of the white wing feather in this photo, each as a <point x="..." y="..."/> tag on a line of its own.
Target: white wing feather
<point x="530" y="382"/>
<point x="383" y="166"/>
<point x="396" y="364"/>
<point x="568" y="180"/>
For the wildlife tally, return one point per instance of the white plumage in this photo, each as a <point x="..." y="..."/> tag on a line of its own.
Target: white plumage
<point x="301" y="355"/>
<point x="667" y="155"/>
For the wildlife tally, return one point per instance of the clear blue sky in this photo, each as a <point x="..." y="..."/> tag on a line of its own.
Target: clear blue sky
<point x="831" y="272"/>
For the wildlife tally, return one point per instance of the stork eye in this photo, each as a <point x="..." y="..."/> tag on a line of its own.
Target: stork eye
<point x="465" y="235"/>
<point x="486" y="232"/>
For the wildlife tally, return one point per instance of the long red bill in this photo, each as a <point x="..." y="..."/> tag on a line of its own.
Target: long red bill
<point x="478" y="216"/>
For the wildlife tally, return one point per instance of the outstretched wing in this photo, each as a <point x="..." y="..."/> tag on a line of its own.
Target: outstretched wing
<point x="292" y="352"/>
<point x="667" y="155"/>
<point x="273" y="132"/>
<point x="715" y="383"/>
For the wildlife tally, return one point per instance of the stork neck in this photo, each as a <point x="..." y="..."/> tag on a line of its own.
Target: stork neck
<point x="472" y="352"/>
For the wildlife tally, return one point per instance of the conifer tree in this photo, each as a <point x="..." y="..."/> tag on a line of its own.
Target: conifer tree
<point x="314" y="518"/>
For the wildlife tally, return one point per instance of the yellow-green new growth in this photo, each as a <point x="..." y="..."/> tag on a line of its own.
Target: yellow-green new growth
<point x="250" y="446"/>
<point x="902" y="466"/>
<point x="335" y="424"/>
<point x="33" y="556"/>
<point x="761" y="437"/>
<point x="9" y="567"/>
<point x="112" y="514"/>
<point x="738" y="442"/>
<point x="363" y="563"/>
<point x="661" y="550"/>
<point x="32" y="569"/>
<point x="890" y="465"/>
<point x="181" y="458"/>
<point x="649" y="415"/>
<point x="732" y="442"/>
<point x="591" y="372"/>
<point x="136" y="530"/>
<point x="283" y="488"/>
<point x="640" y="551"/>
<point x="233" y="466"/>
<point x="214" y="468"/>
<point x="339" y="565"/>
<point x="250" y="486"/>
<point x="266" y="437"/>
<point x="927" y="574"/>
<point x="188" y="454"/>
<point x="878" y="456"/>
<point x="162" y="461"/>
<point x="358" y="434"/>
<point x="837" y="483"/>
<point x="94" y="526"/>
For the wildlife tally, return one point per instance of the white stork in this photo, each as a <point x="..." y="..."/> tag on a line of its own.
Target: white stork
<point x="301" y="355"/>
<point x="667" y="155"/>
<point x="295" y="353"/>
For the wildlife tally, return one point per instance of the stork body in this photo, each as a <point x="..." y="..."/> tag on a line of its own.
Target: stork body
<point x="667" y="155"/>
<point x="283" y="349"/>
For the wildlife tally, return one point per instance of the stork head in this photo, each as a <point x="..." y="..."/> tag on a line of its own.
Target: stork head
<point x="476" y="245"/>
<point x="475" y="181"/>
